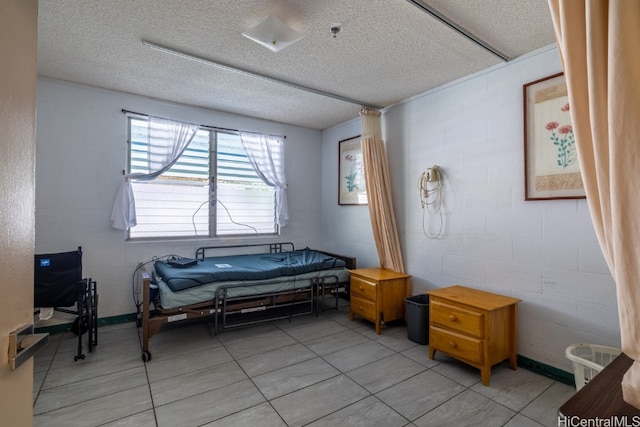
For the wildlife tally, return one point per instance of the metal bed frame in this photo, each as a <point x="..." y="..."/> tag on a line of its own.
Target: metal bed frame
<point x="279" y="304"/>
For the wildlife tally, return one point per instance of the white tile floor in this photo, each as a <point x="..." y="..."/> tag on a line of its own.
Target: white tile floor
<point x="312" y="371"/>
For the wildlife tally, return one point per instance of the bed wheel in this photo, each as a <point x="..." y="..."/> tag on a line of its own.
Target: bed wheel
<point x="76" y="358"/>
<point x="146" y="356"/>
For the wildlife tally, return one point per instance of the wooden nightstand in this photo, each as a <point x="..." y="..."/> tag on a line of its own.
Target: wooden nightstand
<point x="476" y="327"/>
<point x="378" y="295"/>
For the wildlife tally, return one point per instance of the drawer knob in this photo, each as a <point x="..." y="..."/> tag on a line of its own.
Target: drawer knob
<point x="452" y="344"/>
<point x="361" y="288"/>
<point x="361" y="308"/>
<point x="453" y="318"/>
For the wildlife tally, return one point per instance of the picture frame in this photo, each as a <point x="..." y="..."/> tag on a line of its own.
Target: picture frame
<point x="551" y="168"/>
<point x="352" y="188"/>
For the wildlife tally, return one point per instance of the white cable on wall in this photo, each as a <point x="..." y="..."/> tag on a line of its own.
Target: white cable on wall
<point x="431" y="199"/>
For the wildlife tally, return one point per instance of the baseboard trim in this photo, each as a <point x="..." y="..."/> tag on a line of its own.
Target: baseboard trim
<point x="103" y="321"/>
<point x="546" y="370"/>
<point x="524" y="362"/>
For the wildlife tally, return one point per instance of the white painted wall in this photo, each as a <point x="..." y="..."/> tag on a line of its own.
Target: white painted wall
<point x="543" y="252"/>
<point x="346" y="228"/>
<point x="80" y="155"/>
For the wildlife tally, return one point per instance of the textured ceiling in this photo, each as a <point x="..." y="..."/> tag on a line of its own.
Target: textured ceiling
<point x="386" y="51"/>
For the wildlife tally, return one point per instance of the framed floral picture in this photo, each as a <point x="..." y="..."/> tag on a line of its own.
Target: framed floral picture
<point x="352" y="188"/>
<point x="550" y="159"/>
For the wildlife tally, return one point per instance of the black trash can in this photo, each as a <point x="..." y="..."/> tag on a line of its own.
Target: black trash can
<point x="418" y="318"/>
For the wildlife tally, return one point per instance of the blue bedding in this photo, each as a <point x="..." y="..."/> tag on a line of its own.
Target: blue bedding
<point x="245" y="267"/>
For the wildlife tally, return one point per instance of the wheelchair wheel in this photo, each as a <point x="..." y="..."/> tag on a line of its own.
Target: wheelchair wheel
<point x="90" y="328"/>
<point x="93" y="316"/>
<point x="80" y="325"/>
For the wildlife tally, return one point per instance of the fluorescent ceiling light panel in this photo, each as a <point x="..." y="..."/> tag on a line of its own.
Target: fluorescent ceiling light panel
<point x="273" y="34"/>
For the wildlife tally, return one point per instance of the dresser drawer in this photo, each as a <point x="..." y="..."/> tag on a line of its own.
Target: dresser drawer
<point x="456" y="318"/>
<point x="363" y="307"/>
<point x="456" y="345"/>
<point x="363" y="288"/>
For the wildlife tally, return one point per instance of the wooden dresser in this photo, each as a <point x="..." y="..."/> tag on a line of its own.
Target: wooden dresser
<point x="476" y="327"/>
<point x="378" y="295"/>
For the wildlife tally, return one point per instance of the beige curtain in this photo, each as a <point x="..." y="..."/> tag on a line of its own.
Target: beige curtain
<point x="378" y="183"/>
<point x="598" y="42"/>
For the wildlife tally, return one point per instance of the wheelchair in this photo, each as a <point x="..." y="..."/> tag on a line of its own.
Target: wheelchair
<point x="58" y="283"/>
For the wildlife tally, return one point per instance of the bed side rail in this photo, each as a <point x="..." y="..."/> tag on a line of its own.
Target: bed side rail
<point x="307" y="292"/>
<point x="349" y="261"/>
<point x="273" y="248"/>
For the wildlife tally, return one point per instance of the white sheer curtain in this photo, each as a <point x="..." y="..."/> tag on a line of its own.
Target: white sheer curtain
<point x="260" y="150"/>
<point x="167" y="141"/>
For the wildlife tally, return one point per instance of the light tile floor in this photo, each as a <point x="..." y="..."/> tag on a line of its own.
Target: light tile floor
<point x="312" y="371"/>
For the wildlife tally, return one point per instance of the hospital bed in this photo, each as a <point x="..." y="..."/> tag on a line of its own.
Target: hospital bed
<point x="239" y="285"/>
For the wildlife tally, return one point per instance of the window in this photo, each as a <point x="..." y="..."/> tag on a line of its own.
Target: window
<point x="212" y="190"/>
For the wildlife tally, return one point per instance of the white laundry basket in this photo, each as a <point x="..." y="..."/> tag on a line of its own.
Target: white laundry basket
<point x="589" y="359"/>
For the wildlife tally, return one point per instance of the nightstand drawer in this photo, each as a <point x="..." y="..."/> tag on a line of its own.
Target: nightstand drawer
<point x="363" y="288"/>
<point x="456" y="318"/>
<point x="475" y="326"/>
<point x="456" y="345"/>
<point x="363" y="307"/>
<point x="378" y="294"/>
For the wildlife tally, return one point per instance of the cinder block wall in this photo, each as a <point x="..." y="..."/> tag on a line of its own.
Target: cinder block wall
<point x="543" y="252"/>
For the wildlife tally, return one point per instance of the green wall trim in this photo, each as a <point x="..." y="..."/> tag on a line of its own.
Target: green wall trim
<point x="524" y="362"/>
<point x="104" y="321"/>
<point x="546" y="370"/>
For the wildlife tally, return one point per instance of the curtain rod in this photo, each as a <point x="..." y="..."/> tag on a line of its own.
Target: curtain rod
<point x="242" y="71"/>
<point x="206" y="126"/>
<point x="457" y="28"/>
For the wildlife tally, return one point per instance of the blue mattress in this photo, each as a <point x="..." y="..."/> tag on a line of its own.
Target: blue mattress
<point x="235" y="289"/>
<point x="245" y="267"/>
